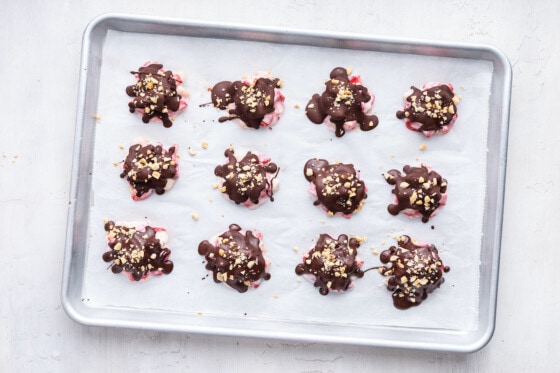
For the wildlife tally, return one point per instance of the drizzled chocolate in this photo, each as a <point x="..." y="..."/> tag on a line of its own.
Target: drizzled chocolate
<point x="148" y="168"/>
<point x="136" y="251"/>
<point x="432" y="108"/>
<point x="252" y="101"/>
<point x="236" y="259"/>
<point x="342" y="101"/>
<point x="246" y="179"/>
<point x="155" y="93"/>
<point x="414" y="271"/>
<point x="418" y="191"/>
<point x="338" y="188"/>
<point x="332" y="263"/>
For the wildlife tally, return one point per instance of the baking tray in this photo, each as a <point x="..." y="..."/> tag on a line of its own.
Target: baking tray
<point x="85" y="237"/>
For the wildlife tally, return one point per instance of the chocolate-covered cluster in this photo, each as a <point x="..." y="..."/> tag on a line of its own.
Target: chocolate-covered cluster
<point x="251" y="101"/>
<point x="155" y="93"/>
<point x="150" y="168"/>
<point x="418" y="191"/>
<point x="137" y="251"/>
<point x="236" y="259"/>
<point x="413" y="271"/>
<point x="332" y="263"/>
<point x="431" y="109"/>
<point x="337" y="186"/>
<point x="248" y="179"/>
<point x="342" y="101"/>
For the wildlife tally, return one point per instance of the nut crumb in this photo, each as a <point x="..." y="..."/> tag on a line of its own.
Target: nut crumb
<point x="296" y="249"/>
<point x="423" y="147"/>
<point x="276" y="296"/>
<point x="375" y="252"/>
<point x="121" y="147"/>
<point x="204" y="145"/>
<point x="296" y="106"/>
<point x="199" y="313"/>
<point x="96" y="116"/>
<point x="195" y="216"/>
<point x="192" y="151"/>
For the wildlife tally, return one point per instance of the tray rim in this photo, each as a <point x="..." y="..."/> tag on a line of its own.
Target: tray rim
<point x="467" y="341"/>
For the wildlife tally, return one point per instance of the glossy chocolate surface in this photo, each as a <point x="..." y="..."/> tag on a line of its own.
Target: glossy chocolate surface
<point x="236" y="259"/>
<point x="252" y="101"/>
<point x="136" y="251"/>
<point x="413" y="272"/>
<point x="332" y="263"/>
<point x="433" y="108"/>
<point x="155" y="93"/>
<point x="149" y="167"/>
<point x="338" y="187"/>
<point x="418" y="189"/>
<point x="342" y="100"/>
<point x="246" y="179"/>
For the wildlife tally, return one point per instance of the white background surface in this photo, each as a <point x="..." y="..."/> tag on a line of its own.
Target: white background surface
<point x="40" y="47"/>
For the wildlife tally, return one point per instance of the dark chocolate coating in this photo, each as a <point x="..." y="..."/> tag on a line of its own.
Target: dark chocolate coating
<point x="149" y="167"/>
<point x="417" y="189"/>
<point x="332" y="262"/>
<point x="252" y="101"/>
<point x="414" y="271"/>
<point x="237" y="260"/>
<point x="155" y="92"/>
<point x="338" y="187"/>
<point x="432" y="107"/>
<point x="137" y="252"/>
<point x="342" y="100"/>
<point x="245" y="179"/>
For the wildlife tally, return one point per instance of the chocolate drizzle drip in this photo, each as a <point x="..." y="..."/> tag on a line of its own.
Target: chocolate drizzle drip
<point x="417" y="189"/>
<point x="332" y="262"/>
<point x="433" y="108"/>
<point x="149" y="168"/>
<point x="342" y="100"/>
<point x="246" y="179"/>
<point x="237" y="259"/>
<point x="414" y="271"/>
<point x="338" y="187"/>
<point x="252" y="101"/>
<point x="155" y="92"/>
<point x="136" y="251"/>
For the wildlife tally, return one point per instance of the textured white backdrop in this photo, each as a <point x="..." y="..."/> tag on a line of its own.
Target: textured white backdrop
<point x="40" y="47"/>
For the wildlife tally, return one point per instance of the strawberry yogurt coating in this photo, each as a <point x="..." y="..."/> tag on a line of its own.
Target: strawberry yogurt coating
<point x="332" y="264"/>
<point x="236" y="258"/>
<point x="158" y="94"/>
<point x="138" y="251"/>
<point x="336" y="188"/>
<point x="414" y="270"/>
<point x="249" y="181"/>
<point x="149" y="168"/>
<point x="252" y="103"/>
<point x="418" y="191"/>
<point x="343" y="105"/>
<point x="431" y="110"/>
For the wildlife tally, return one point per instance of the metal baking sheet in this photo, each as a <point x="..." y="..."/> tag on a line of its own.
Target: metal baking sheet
<point x="280" y="308"/>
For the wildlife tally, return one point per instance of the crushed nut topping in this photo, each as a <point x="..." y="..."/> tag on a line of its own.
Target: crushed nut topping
<point x="155" y="93"/>
<point x="414" y="271"/>
<point x="136" y="251"/>
<point x="337" y="186"/>
<point x="332" y="263"/>
<point x="235" y="259"/>
<point x="419" y="191"/>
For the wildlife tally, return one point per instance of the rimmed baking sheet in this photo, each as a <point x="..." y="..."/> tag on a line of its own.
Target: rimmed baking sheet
<point x="459" y="316"/>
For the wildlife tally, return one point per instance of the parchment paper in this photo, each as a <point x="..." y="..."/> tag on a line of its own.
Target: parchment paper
<point x="290" y="224"/>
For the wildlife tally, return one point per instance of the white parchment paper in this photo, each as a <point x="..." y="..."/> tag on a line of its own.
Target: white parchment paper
<point x="291" y="223"/>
